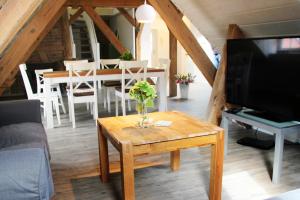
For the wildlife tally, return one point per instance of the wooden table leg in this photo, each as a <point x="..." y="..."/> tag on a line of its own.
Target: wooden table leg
<point x="216" y="168"/>
<point x="103" y="155"/>
<point x="175" y="160"/>
<point x="127" y="171"/>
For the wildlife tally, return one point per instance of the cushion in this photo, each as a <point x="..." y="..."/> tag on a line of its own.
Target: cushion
<point x="119" y="89"/>
<point x="25" y="174"/>
<point x="22" y="133"/>
<point x="112" y="83"/>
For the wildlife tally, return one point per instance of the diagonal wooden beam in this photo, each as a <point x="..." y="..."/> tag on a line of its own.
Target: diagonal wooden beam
<point x="105" y="29"/>
<point x="75" y="15"/>
<point x="107" y="3"/>
<point x="169" y="13"/>
<point x="29" y="38"/>
<point x="129" y="18"/>
<point x="217" y="101"/>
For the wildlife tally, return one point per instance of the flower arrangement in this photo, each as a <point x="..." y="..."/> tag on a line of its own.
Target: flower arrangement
<point x="184" y="78"/>
<point x="144" y="94"/>
<point x="126" y="56"/>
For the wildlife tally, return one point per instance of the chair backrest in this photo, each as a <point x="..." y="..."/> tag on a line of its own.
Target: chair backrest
<point x="67" y="63"/>
<point x="78" y="72"/>
<point x="137" y="70"/>
<point x="39" y="74"/>
<point x="26" y="81"/>
<point x="106" y="63"/>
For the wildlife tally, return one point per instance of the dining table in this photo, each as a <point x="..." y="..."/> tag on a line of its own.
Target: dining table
<point x="57" y="77"/>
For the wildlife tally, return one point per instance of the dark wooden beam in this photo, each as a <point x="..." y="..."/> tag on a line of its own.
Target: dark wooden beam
<point x="66" y="36"/>
<point x="75" y="15"/>
<point x="107" y="3"/>
<point x="30" y="37"/>
<point x="173" y="65"/>
<point x="105" y="29"/>
<point x="217" y="100"/>
<point x="169" y="13"/>
<point x="129" y="18"/>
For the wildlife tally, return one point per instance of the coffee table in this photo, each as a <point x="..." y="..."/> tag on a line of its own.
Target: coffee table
<point x="130" y="141"/>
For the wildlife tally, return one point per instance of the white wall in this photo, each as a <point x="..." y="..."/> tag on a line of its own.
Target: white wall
<point x="125" y="31"/>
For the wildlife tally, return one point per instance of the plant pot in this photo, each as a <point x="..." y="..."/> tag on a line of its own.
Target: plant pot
<point x="184" y="91"/>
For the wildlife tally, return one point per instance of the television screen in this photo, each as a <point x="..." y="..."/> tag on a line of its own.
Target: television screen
<point x="264" y="74"/>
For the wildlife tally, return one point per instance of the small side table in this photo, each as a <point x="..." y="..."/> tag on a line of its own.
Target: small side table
<point x="279" y="129"/>
<point x="130" y="140"/>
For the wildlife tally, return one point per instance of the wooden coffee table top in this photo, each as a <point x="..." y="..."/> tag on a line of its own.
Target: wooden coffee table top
<point x="124" y="129"/>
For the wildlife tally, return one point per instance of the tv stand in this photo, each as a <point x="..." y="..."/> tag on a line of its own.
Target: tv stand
<point x="274" y="128"/>
<point x="267" y="116"/>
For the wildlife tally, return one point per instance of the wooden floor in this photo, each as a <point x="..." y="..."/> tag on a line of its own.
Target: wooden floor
<point x="247" y="171"/>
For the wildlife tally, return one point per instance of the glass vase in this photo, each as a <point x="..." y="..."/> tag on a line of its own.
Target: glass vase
<point x="144" y="121"/>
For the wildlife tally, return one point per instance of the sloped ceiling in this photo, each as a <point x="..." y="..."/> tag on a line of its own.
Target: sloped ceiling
<point x="257" y="18"/>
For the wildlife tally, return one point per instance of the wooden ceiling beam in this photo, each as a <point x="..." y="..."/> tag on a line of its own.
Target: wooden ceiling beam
<point x="169" y="13"/>
<point x="129" y="18"/>
<point x="75" y="15"/>
<point x="30" y="37"/>
<point x="105" y="29"/>
<point x="217" y="101"/>
<point x="107" y="3"/>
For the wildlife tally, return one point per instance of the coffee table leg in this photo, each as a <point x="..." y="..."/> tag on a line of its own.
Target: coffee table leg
<point x="216" y="168"/>
<point x="127" y="170"/>
<point x="175" y="160"/>
<point x="103" y="155"/>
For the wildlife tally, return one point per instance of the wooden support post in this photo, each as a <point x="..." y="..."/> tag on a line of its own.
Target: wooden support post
<point x="30" y="37"/>
<point x="218" y="97"/>
<point x="130" y="19"/>
<point x="173" y="65"/>
<point x="75" y="15"/>
<point x="105" y="29"/>
<point x="169" y="13"/>
<point x="66" y="36"/>
<point x="138" y="45"/>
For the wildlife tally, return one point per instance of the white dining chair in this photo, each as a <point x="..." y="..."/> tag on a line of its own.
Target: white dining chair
<point x="41" y="97"/>
<point x="83" y="90"/>
<point x="67" y="64"/>
<point x="136" y="71"/>
<point x="109" y="86"/>
<point x="39" y="74"/>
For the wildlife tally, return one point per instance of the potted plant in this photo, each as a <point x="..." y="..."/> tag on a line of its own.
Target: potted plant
<point x="144" y="94"/>
<point x="184" y="80"/>
<point x="126" y="56"/>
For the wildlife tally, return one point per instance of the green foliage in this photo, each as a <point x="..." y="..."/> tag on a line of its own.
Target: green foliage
<point x="143" y="93"/>
<point x="126" y="56"/>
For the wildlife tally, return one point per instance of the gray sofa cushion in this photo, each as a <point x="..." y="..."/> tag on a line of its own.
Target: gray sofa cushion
<point x="22" y="133"/>
<point x="25" y="174"/>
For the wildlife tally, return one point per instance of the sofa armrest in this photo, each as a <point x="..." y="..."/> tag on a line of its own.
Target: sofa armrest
<point x="12" y="112"/>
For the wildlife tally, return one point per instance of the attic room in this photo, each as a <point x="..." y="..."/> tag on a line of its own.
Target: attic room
<point x="149" y="99"/>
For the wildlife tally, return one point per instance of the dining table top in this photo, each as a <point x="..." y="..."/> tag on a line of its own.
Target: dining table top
<point x="56" y="74"/>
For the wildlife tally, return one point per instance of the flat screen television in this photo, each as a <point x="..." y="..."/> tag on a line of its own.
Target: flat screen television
<point x="263" y="74"/>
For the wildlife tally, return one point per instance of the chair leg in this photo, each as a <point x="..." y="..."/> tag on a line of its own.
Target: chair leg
<point x="73" y="114"/>
<point x="104" y="97"/>
<point x="70" y="110"/>
<point x="108" y="99"/>
<point x="123" y="106"/>
<point x="92" y="108"/>
<point x="117" y="106"/>
<point x="56" y="104"/>
<point x="61" y="102"/>
<point x="87" y="106"/>
<point x="129" y="105"/>
<point x="95" y="110"/>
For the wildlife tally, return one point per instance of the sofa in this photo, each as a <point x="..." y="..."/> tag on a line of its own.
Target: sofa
<point x="24" y="152"/>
